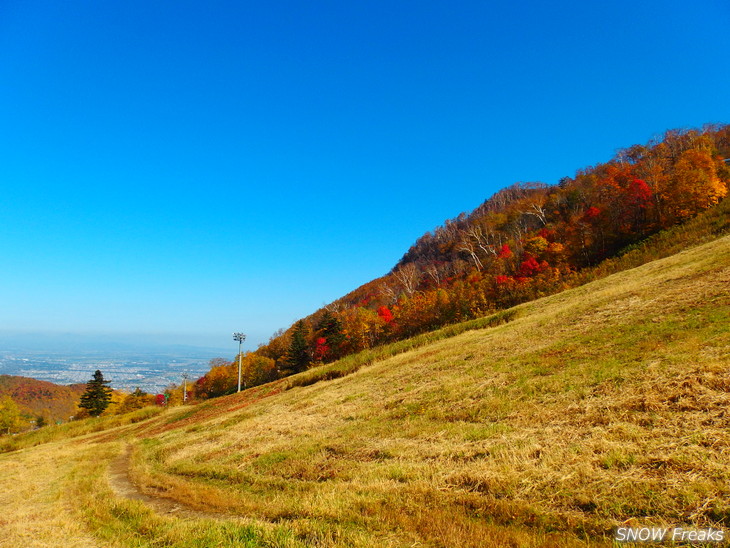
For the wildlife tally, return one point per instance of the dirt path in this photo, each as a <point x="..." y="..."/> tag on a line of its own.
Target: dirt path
<point x="123" y="486"/>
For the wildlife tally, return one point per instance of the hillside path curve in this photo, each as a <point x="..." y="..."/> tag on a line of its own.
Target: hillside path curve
<point x="122" y="486"/>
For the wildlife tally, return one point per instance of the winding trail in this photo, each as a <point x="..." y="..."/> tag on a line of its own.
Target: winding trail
<point x="124" y="487"/>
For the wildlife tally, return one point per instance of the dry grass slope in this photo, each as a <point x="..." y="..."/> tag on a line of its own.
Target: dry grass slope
<point x="603" y="405"/>
<point x="594" y="407"/>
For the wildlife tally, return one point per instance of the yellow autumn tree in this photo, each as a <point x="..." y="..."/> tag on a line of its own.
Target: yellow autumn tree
<point x="256" y="369"/>
<point x="10" y="418"/>
<point x="362" y="328"/>
<point x="695" y="184"/>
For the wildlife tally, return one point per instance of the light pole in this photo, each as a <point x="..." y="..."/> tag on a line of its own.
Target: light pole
<point x="240" y="337"/>
<point x="185" y="387"/>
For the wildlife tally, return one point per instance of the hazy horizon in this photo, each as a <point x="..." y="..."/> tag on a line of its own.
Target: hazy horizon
<point x="63" y="341"/>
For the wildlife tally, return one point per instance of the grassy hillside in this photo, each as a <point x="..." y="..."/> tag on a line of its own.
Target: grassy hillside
<point x="549" y="426"/>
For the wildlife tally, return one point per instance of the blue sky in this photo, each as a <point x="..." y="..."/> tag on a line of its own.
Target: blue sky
<point x="189" y="169"/>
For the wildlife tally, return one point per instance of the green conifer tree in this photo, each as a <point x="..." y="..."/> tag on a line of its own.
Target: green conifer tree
<point x="97" y="396"/>
<point x="297" y="357"/>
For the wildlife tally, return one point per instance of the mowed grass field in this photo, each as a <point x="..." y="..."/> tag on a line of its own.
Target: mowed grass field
<point x="604" y="405"/>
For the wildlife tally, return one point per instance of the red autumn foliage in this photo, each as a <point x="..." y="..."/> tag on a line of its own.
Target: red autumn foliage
<point x="639" y="192"/>
<point x="385" y="314"/>
<point x="591" y="213"/>
<point x="505" y="252"/>
<point x="549" y="235"/>
<point x="501" y="279"/>
<point x="321" y="349"/>
<point x="530" y="266"/>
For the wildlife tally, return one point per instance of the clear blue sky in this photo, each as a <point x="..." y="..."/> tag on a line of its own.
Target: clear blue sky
<point x="189" y="169"/>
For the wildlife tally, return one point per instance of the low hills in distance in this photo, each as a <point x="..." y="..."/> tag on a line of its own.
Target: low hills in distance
<point x="42" y="399"/>
<point x="45" y="375"/>
<point x="71" y="359"/>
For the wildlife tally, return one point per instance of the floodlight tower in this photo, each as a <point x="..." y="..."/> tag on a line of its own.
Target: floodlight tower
<point x="185" y="387"/>
<point x="240" y="337"/>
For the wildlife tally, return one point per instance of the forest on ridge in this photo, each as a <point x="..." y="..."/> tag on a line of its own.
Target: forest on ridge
<point x="527" y="241"/>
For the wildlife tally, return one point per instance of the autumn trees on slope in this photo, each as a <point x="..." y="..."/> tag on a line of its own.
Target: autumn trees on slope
<point x="526" y="241"/>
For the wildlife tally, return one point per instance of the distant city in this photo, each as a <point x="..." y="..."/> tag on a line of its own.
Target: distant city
<point x="127" y="370"/>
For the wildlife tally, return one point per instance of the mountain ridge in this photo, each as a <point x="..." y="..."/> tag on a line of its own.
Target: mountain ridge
<point x="526" y="241"/>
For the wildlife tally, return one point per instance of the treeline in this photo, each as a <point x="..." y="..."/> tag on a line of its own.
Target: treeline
<point x="527" y="241"/>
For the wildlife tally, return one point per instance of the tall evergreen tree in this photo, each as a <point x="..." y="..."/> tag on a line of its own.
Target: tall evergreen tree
<point x="97" y="396"/>
<point x="297" y="357"/>
<point x="330" y="327"/>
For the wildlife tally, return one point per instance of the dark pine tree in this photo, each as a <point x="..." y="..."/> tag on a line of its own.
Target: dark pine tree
<point x="297" y="357"/>
<point x="330" y="327"/>
<point x="97" y="396"/>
